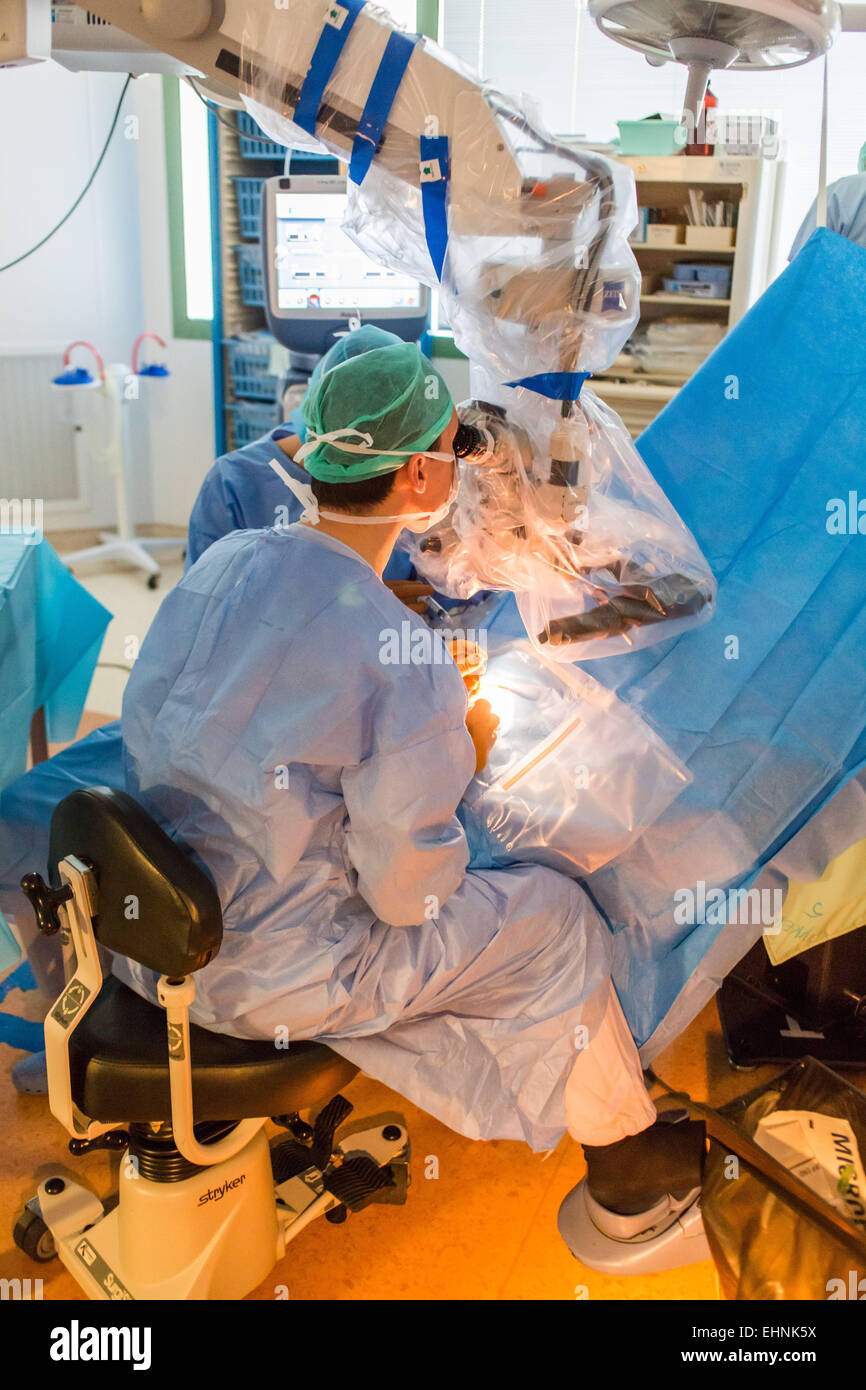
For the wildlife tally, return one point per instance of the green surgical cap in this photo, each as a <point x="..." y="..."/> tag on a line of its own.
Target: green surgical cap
<point x="393" y="394"/>
<point x="362" y="339"/>
<point x="348" y="345"/>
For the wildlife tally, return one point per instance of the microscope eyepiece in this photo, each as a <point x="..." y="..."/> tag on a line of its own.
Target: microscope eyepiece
<point x="470" y="443"/>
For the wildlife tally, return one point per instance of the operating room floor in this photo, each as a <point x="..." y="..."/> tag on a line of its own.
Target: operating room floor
<point x="483" y="1228"/>
<point x="480" y="1221"/>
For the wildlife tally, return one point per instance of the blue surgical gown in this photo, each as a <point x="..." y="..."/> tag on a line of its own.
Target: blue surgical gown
<point x="264" y="726"/>
<point x="240" y="492"/>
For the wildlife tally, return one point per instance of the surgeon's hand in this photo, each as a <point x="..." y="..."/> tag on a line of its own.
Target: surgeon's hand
<point x="482" y="724"/>
<point x="469" y="660"/>
<point x="411" y="592"/>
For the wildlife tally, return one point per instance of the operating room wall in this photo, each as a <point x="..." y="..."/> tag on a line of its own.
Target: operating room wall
<point x="85" y="282"/>
<point x="181" y="417"/>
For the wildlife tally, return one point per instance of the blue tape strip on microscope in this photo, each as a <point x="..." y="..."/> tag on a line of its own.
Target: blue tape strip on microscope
<point x="377" y="109"/>
<point x="434" y="196"/>
<point x="340" y="17"/>
<point x="557" y="386"/>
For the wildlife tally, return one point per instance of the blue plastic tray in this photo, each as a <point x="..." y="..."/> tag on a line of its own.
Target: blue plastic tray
<point x="252" y="275"/>
<point x="254" y="143"/>
<point x="252" y="421"/>
<point x="249" y="193"/>
<point x="249" y="360"/>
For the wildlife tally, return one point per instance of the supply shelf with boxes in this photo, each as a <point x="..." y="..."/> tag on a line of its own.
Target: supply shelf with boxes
<point x="705" y="243"/>
<point x="254" y="364"/>
<point x="246" y="157"/>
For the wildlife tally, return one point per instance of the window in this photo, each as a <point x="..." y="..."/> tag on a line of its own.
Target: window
<point x="537" y="58"/>
<point x="189" y="209"/>
<point x="404" y="12"/>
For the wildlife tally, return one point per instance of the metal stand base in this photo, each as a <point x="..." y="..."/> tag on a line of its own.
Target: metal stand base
<point x="134" y="551"/>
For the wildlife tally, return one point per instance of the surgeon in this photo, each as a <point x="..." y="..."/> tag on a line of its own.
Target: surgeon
<point x="270" y="727"/>
<point x="243" y="492"/>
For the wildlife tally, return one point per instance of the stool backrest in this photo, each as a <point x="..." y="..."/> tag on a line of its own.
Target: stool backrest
<point x="155" y="904"/>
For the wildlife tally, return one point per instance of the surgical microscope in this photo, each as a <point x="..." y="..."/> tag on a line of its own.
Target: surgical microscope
<point x="525" y="239"/>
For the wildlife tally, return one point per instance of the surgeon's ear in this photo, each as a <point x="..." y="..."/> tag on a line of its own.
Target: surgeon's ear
<point x="417" y="473"/>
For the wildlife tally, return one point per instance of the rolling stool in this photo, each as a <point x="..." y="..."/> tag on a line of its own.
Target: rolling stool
<point x="205" y="1206"/>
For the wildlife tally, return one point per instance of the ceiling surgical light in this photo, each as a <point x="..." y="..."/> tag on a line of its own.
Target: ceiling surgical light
<point x="703" y="35"/>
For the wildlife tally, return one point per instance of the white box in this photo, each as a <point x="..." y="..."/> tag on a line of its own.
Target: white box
<point x="664" y="234"/>
<point x="710" y="238"/>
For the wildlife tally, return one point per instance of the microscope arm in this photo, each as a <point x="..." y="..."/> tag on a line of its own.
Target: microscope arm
<point x="217" y="38"/>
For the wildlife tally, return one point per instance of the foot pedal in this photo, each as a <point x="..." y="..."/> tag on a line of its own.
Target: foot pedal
<point x="290" y="1157"/>
<point x="397" y="1193"/>
<point x="327" y="1123"/>
<point x="357" y="1182"/>
<point x="674" y="1246"/>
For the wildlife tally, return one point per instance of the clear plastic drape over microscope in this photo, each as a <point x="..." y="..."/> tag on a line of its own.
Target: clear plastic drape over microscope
<point x="526" y="240"/>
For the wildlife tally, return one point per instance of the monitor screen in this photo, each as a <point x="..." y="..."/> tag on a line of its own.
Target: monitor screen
<point x="319" y="267"/>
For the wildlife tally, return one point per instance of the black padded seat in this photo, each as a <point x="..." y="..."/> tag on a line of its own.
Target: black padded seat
<point x="118" y="1057"/>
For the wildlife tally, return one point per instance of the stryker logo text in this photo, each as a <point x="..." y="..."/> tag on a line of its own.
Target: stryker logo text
<point x="216" y="1194"/>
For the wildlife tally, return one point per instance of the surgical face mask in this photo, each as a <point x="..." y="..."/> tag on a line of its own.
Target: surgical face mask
<point x="417" y="522"/>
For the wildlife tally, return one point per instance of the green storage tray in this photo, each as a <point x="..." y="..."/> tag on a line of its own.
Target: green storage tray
<point x="651" y="137"/>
